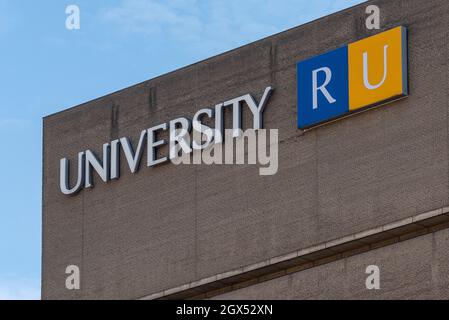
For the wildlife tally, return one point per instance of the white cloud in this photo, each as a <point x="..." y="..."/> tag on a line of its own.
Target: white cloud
<point x="218" y="24"/>
<point x="213" y="26"/>
<point x="192" y="22"/>
<point x="154" y="17"/>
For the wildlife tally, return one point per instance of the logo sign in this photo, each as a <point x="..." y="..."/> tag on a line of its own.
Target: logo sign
<point x="363" y="74"/>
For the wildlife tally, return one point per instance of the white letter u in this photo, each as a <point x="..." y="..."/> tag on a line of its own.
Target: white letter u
<point x="365" y="70"/>
<point x="64" y="175"/>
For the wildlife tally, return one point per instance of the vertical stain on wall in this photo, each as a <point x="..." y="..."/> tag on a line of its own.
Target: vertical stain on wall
<point x="152" y="101"/>
<point x="359" y="26"/>
<point x="114" y="121"/>
<point x="273" y="49"/>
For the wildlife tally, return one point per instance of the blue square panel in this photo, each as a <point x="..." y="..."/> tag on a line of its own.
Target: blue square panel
<point x="323" y="89"/>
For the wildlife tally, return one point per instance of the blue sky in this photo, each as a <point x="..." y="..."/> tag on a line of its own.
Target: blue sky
<point x="45" y="68"/>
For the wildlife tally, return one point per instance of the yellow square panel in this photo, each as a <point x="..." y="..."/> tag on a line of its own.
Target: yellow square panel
<point x="378" y="68"/>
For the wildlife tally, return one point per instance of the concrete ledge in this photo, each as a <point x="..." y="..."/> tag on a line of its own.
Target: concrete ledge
<point x="306" y="258"/>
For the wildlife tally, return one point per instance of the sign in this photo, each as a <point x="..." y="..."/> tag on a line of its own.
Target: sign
<point x="108" y="167"/>
<point x="363" y="74"/>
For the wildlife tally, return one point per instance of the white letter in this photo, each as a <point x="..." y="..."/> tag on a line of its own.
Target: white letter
<point x="272" y="159"/>
<point x="133" y="158"/>
<point x="250" y="135"/>
<point x="200" y="128"/>
<point x="365" y="70"/>
<point x="322" y="88"/>
<point x="64" y="175"/>
<point x="216" y="158"/>
<point x="257" y="110"/>
<point x="206" y="311"/>
<point x="151" y="159"/>
<point x="115" y="160"/>
<point x="373" y="21"/>
<point x="73" y="281"/>
<point x="236" y="114"/>
<point x="219" y="124"/>
<point x="373" y="281"/>
<point x="229" y="145"/>
<point x="179" y="138"/>
<point x="73" y="20"/>
<point x="101" y="169"/>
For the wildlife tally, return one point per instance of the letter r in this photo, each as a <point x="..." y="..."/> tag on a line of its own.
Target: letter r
<point x="322" y="87"/>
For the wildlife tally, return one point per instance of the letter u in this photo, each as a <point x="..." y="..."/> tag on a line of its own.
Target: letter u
<point x="64" y="168"/>
<point x="365" y="71"/>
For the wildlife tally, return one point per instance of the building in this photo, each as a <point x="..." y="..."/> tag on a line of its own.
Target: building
<point x="367" y="190"/>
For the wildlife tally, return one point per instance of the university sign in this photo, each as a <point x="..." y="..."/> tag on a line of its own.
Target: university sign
<point x="180" y="144"/>
<point x="350" y="79"/>
<point x="363" y="74"/>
